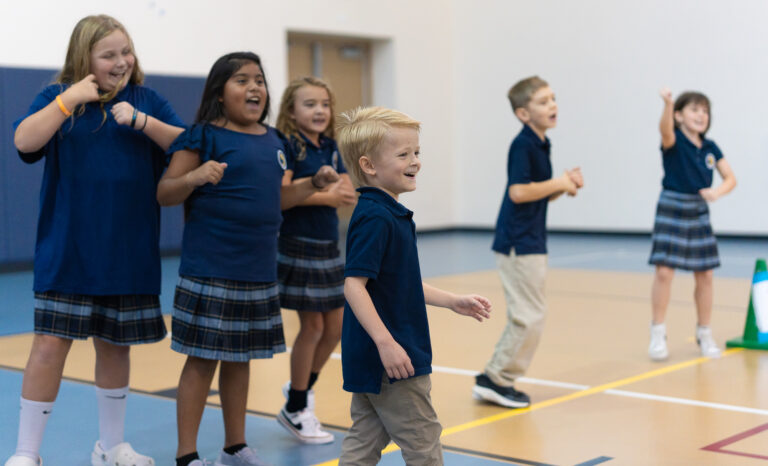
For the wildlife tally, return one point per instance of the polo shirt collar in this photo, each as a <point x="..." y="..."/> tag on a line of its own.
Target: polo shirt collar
<point x="679" y="134"/>
<point x="324" y="141"/>
<point x="380" y="197"/>
<point x="531" y="134"/>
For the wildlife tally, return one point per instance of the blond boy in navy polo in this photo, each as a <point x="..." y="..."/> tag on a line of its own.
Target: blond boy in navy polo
<point x="521" y="241"/>
<point x="385" y="347"/>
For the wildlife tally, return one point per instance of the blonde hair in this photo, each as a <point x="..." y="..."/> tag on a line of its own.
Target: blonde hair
<point x="77" y="64"/>
<point x="287" y="125"/>
<point x="520" y="94"/>
<point x="360" y="132"/>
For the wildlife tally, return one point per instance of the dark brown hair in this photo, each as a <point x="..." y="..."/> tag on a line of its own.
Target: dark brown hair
<point x="693" y="98"/>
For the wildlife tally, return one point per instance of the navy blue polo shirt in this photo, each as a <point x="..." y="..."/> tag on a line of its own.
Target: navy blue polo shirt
<point x="231" y="227"/>
<point x="317" y="222"/>
<point x="523" y="227"/>
<point x="688" y="168"/>
<point x="99" y="224"/>
<point x="381" y="245"/>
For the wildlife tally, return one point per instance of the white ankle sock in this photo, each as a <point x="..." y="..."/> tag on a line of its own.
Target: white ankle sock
<point x="112" y="402"/>
<point x="32" y="419"/>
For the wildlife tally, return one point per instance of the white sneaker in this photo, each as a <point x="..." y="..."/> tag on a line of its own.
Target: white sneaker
<point x="245" y="457"/>
<point x="200" y="462"/>
<point x="120" y="455"/>
<point x="706" y="342"/>
<point x="657" y="350"/>
<point x="20" y="460"/>
<point x="304" y="426"/>
<point x="310" y="396"/>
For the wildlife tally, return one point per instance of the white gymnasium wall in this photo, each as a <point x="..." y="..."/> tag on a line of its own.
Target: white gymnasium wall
<point x="449" y="63"/>
<point x="183" y="37"/>
<point x="606" y="60"/>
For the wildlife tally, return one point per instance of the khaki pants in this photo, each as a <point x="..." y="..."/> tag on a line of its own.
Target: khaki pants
<point x="401" y="412"/>
<point x="523" y="280"/>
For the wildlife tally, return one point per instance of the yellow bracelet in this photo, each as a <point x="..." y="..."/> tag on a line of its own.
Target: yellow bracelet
<point x="62" y="106"/>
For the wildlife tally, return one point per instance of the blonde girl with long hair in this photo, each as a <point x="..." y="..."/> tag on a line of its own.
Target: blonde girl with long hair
<point x="310" y="269"/>
<point x="97" y="264"/>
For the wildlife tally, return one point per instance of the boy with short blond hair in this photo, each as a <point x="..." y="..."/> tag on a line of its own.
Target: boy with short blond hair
<point x="385" y="345"/>
<point x="520" y="242"/>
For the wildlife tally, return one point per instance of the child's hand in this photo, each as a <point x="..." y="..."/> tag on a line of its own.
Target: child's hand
<point x="343" y="194"/>
<point x="209" y="172"/>
<point x="666" y="94"/>
<point x="575" y="175"/>
<point x="84" y="91"/>
<point x="325" y="176"/>
<point x="568" y="185"/>
<point x="123" y="114"/>
<point x="472" y="305"/>
<point x="709" y="194"/>
<point x="395" y="360"/>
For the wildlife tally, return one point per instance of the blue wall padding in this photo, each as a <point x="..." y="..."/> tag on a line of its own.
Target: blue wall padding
<point x="20" y="182"/>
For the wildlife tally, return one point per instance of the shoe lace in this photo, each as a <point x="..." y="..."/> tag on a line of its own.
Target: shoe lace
<point x="249" y="456"/>
<point x="247" y="453"/>
<point x="706" y="340"/>
<point x="312" y="422"/>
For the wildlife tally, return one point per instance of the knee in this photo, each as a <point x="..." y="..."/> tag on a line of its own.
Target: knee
<point x="202" y="367"/>
<point x="332" y="333"/>
<point x="665" y="274"/>
<point x="313" y="326"/>
<point x="106" y="350"/>
<point x="50" y="349"/>
<point x="703" y="278"/>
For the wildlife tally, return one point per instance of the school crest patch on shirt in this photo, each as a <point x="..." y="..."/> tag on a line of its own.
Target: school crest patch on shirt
<point x="335" y="160"/>
<point x="709" y="160"/>
<point x="281" y="159"/>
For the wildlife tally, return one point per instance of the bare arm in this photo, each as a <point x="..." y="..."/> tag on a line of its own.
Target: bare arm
<point x="394" y="358"/>
<point x="534" y="191"/>
<point x="294" y="192"/>
<point x="667" y="123"/>
<point x="37" y="129"/>
<point x="159" y="132"/>
<point x="184" y="175"/>
<point x="729" y="182"/>
<point x="474" y="306"/>
<point x="338" y="194"/>
<point x="576" y="177"/>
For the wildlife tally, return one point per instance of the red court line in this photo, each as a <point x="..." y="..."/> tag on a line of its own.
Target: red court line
<point x="717" y="447"/>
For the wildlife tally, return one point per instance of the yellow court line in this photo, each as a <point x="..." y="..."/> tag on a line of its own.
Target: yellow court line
<point x="562" y="399"/>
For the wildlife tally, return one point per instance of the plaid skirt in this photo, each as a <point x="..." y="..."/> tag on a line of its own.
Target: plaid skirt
<point x="310" y="273"/>
<point x="682" y="234"/>
<point x="227" y="320"/>
<point x="120" y="319"/>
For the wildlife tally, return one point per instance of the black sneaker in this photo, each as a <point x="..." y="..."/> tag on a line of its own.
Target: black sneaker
<point x="508" y="397"/>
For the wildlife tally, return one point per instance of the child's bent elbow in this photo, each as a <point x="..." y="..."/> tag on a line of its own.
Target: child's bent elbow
<point x="164" y="199"/>
<point x="515" y="194"/>
<point x="22" y="145"/>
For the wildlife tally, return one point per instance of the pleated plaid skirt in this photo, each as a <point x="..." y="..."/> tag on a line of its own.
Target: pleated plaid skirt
<point x="310" y="273"/>
<point x="682" y="233"/>
<point x="227" y="320"/>
<point x="120" y="319"/>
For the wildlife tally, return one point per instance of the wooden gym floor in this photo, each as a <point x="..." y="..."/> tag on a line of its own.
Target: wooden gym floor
<point x="596" y="396"/>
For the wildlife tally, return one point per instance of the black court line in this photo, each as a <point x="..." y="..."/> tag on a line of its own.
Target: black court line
<point x="598" y="460"/>
<point x="491" y="456"/>
<point x="171" y="393"/>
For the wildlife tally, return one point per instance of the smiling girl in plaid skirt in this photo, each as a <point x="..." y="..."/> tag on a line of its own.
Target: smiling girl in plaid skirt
<point x="228" y="169"/>
<point x="310" y="269"/>
<point x="682" y="233"/>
